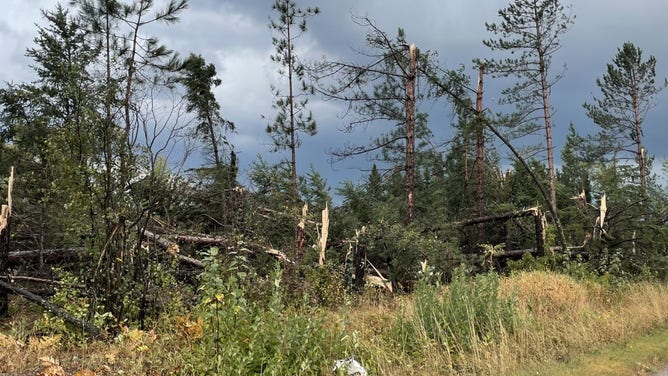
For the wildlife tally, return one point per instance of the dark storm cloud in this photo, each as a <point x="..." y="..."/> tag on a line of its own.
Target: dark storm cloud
<point x="233" y="34"/>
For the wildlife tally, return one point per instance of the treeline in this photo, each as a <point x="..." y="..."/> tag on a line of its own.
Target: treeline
<point x="93" y="140"/>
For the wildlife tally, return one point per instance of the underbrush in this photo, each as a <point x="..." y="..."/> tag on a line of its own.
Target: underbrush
<point x="486" y="324"/>
<point x="245" y="337"/>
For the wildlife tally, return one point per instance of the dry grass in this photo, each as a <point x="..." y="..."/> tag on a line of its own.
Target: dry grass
<point x="559" y="319"/>
<point x="133" y="352"/>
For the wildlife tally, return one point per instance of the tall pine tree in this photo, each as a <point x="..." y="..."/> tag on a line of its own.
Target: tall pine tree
<point x="530" y="31"/>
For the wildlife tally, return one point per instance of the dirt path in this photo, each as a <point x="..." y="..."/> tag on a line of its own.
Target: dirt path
<point x="663" y="372"/>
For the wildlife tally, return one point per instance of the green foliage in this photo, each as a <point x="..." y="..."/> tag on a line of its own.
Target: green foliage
<point x="315" y="191"/>
<point x="254" y="337"/>
<point x="628" y="89"/>
<point x="398" y="250"/>
<point x="292" y="118"/>
<point x="326" y="285"/>
<point x="468" y="313"/>
<point x="269" y="210"/>
<point x="69" y="297"/>
<point x="530" y="34"/>
<point x="199" y="79"/>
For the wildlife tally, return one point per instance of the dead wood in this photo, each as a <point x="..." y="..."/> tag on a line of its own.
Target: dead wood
<point x="520" y="252"/>
<point x="13" y="278"/>
<point x="47" y="255"/>
<point x="5" y="227"/>
<point x="171" y="243"/>
<point x="531" y="212"/>
<point x="86" y="326"/>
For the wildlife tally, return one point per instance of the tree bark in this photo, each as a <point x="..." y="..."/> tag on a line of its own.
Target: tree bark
<point x="548" y="131"/>
<point x="410" y="133"/>
<point x="480" y="154"/>
<point x="45" y="255"/>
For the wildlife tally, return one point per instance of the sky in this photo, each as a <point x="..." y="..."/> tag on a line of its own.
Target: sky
<point x="235" y="37"/>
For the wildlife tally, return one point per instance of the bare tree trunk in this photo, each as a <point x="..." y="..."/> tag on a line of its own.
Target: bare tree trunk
<point x="640" y="153"/>
<point x="410" y="133"/>
<point x="214" y="142"/>
<point x="548" y="134"/>
<point x="480" y="154"/>
<point x="292" y="130"/>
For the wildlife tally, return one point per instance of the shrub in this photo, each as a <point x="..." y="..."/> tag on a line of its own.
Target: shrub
<point x="326" y="285"/>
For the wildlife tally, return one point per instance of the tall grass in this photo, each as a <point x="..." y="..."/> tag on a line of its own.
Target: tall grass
<point x="499" y="325"/>
<point x="452" y="323"/>
<point x="484" y="325"/>
<point x="460" y="318"/>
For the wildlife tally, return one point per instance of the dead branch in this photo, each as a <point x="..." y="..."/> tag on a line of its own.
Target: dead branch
<point x="13" y="278"/>
<point x="86" y="326"/>
<point x="519" y="252"/>
<point x="47" y="255"/>
<point x="165" y="242"/>
<point x="531" y="212"/>
<point x="172" y="248"/>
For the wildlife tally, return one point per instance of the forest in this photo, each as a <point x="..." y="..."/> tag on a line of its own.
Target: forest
<point x="107" y="236"/>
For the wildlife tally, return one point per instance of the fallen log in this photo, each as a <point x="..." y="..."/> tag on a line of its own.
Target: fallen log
<point x="170" y="242"/>
<point x="86" y="326"/>
<point x="519" y="252"/>
<point x="165" y="242"/>
<point x="38" y="280"/>
<point x="47" y="255"/>
<point x="531" y="212"/>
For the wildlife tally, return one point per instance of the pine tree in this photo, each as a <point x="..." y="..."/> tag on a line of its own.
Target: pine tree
<point x="199" y="79"/>
<point x="383" y="91"/>
<point x="628" y="89"/>
<point x="530" y="29"/>
<point x="292" y="118"/>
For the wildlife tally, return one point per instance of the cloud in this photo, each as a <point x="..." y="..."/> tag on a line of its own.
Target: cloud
<point x="233" y="34"/>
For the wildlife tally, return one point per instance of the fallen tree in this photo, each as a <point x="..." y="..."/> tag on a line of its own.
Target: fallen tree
<point x="171" y="244"/>
<point x="86" y="326"/>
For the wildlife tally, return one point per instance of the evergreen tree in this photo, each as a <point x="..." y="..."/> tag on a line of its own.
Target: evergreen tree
<point x="628" y="89"/>
<point x="530" y="30"/>
<point x="292" y="118"/>
<point x="383" y="91"/>
<point x="130" y="67"/>
<point x="50" y="125"/>
<point x="199" y="78"/>
<point x="575" y="182"/>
